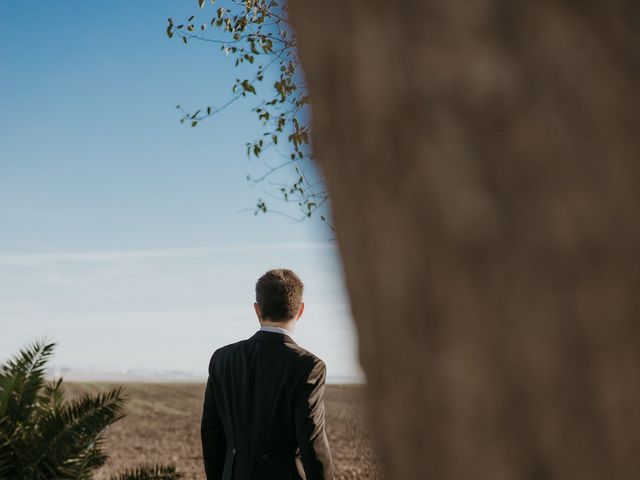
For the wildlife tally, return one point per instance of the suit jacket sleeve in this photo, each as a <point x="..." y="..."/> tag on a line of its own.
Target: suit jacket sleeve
<point x="214" y="444"/>
<point x="309" y="418"/>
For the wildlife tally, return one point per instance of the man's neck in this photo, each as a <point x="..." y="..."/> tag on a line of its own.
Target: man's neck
<point x="289" y="326"/>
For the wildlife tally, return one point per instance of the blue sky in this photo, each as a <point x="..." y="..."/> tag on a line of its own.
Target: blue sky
<point x="122" y="232"/>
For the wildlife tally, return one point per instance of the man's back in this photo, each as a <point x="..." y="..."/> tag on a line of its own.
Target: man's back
<point x="264" y="400"/>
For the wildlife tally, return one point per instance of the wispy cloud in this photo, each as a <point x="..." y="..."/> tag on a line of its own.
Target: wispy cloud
<point x="122" y="308"/>
<point x="17" y="259"/>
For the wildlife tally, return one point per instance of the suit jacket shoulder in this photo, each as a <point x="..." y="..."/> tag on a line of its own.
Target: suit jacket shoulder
<point x="298" y="355"/>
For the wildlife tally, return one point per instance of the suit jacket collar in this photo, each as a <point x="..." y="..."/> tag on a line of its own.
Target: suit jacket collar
<point x="263" y="336"/>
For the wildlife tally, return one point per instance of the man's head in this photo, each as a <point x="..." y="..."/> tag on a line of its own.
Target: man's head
<point x="279" y="296"/>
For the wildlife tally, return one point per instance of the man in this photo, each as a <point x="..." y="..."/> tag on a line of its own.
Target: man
<point x="263" y="414"/>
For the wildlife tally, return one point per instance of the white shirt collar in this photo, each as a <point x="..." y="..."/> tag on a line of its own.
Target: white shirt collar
<point x="269" y="328"/>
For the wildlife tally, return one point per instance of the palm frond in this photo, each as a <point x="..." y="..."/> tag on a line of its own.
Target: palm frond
<point x="44" y="436"/>
<point x="7" y="387"/>
<point x="5" y="452"/>
<point x="149" y="472"/>
<point x="70" y="437"/>
<point x="52" y="396"/>
<point x="21" y="379"/>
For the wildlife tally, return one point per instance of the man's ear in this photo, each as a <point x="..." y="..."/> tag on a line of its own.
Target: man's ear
<point x="300" y="311"/>
<point x="256" y="307"/>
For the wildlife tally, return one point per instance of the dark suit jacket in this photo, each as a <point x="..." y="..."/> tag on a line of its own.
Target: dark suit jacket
<point x="263" y="401"/>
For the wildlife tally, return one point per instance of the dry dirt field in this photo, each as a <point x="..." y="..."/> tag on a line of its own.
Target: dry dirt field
<point x="162" y="426"/>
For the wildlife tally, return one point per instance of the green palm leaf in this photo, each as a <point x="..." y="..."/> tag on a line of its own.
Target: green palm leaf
<point x="43" y="436"/>
<point x="5" y="454"/>
<point x="70" y="437"/>
<point x="21" y="379"/>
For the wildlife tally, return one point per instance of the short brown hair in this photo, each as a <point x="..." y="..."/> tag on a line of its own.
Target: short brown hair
<point x="279" y="294"/>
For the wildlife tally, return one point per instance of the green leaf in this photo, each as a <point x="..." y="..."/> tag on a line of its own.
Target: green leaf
<point x="247" y="87"/>
<point x="21" y="380"/>
<point x="42" y="435"/>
